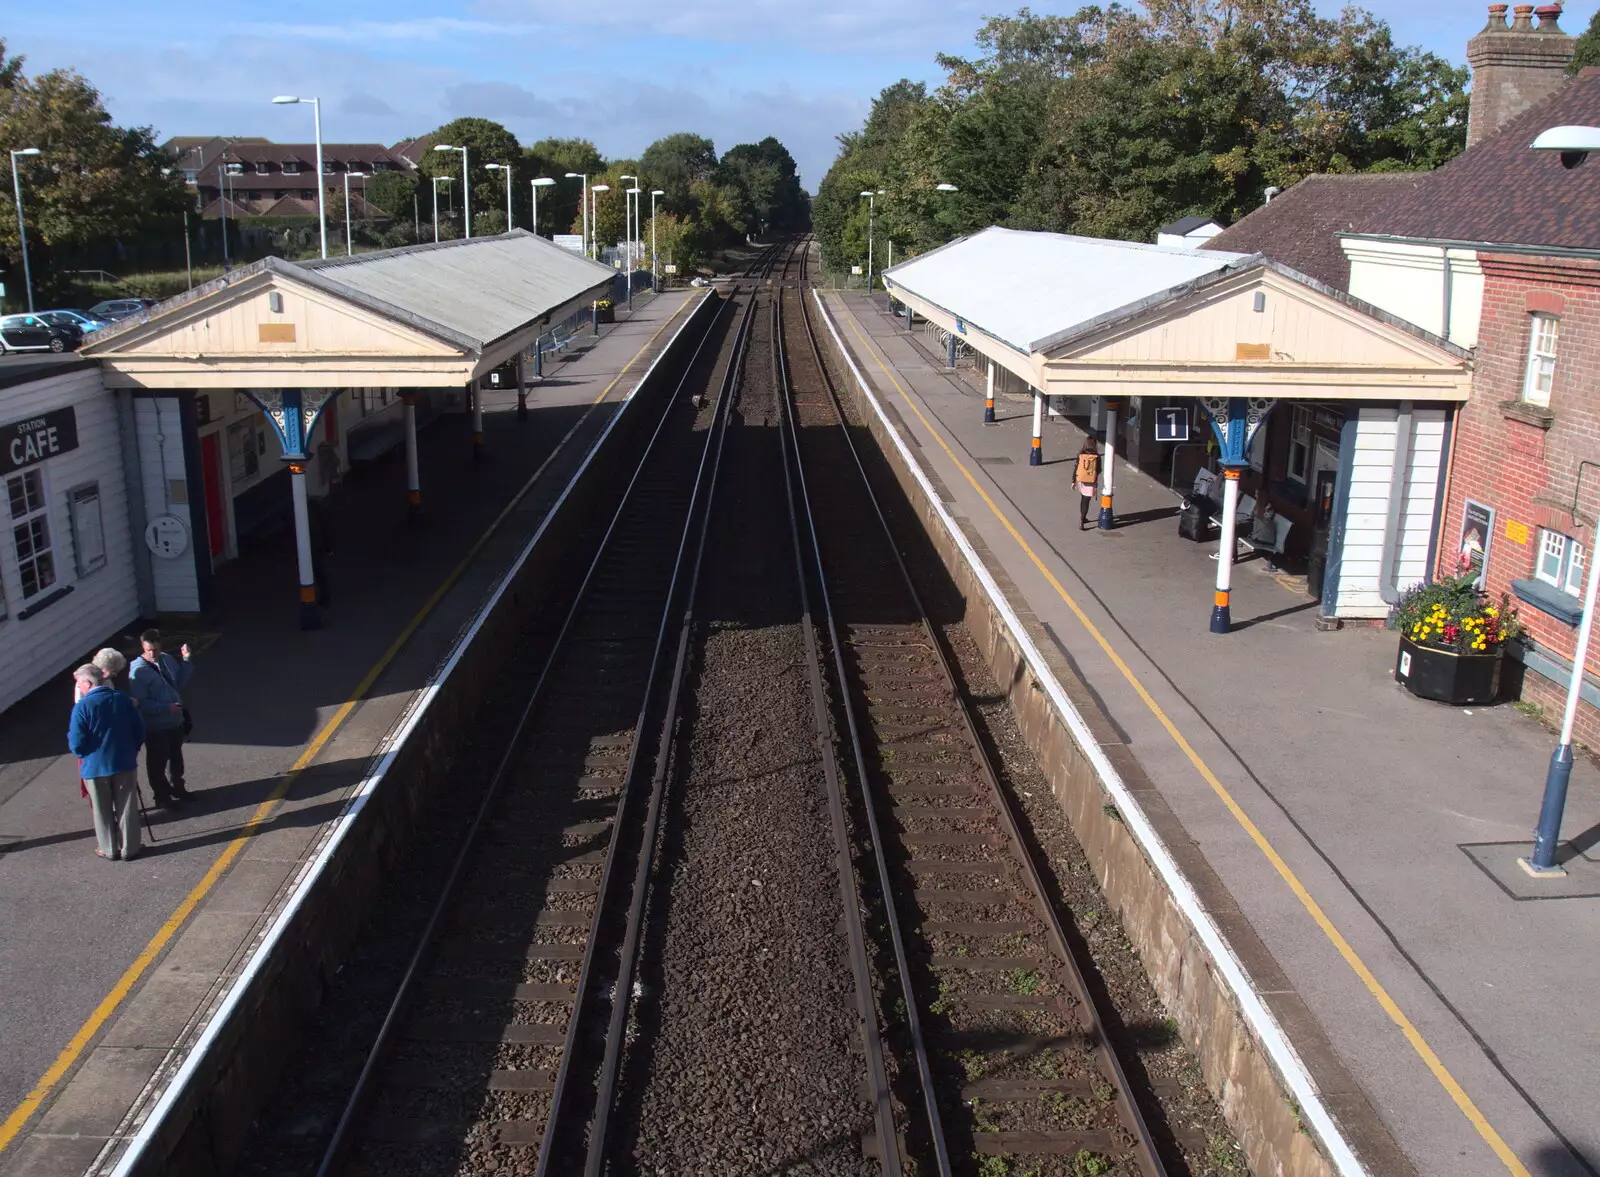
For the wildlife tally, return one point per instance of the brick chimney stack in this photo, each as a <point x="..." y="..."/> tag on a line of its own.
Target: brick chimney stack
<point x="1514" y="66"/>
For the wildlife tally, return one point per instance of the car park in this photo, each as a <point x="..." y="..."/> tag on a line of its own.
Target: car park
<point x="82" y="320"/>
<point x="32" y="333"/>
<point x="113" y="309"/>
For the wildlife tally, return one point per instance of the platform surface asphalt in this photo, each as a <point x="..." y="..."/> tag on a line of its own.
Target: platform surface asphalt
<point x="1401" y="818"/>
<point x="262" y="694"/>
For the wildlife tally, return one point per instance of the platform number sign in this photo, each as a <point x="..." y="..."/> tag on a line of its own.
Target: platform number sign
<point x="1172" y="423"/>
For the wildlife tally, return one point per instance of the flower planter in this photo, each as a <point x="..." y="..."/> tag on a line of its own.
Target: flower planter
<point x="1447" y="676"/>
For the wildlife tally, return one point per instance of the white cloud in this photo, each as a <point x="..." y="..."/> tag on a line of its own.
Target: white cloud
<point x="365" y="32"/>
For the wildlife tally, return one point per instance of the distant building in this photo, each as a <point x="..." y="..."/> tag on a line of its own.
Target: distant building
<point x="250" y="177"/>
<point x="1188" y="231"/>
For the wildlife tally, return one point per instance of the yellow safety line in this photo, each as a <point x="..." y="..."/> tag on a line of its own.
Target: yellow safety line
<point x="1357" y="965"/>
<point x="130" y="977"/>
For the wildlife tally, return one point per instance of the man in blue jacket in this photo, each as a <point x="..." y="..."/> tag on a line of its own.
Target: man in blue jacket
<point x="105" y="734"/>
<point x="156" y="681"/>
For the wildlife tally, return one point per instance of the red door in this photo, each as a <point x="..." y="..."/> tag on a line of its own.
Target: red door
<point x="216" y="505"/>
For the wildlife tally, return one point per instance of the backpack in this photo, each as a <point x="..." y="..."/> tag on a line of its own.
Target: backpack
<point x="1088" y="467"/>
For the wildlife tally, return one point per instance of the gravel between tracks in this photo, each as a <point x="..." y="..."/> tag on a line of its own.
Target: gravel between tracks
<point x="751" y="1056"/>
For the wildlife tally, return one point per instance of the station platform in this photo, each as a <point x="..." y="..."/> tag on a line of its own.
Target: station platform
<point x="104" y="967"/>
<point x="1417" y="972"/>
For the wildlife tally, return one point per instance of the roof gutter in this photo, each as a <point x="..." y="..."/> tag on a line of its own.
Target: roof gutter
<point x="1489" y="246"/>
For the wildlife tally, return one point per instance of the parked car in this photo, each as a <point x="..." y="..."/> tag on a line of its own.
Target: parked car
<point x="32" y="333"/>
<point x="120" y="308"/>
<point x="82" y="320"/>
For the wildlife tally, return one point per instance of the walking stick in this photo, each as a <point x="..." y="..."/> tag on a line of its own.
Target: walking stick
<point x="144" y="813"/>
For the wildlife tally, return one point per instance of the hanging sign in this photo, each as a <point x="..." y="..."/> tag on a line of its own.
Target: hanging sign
<point x="27" y="443"/>
<point x="1172" y="423"/>
<point x="167" y="537"/>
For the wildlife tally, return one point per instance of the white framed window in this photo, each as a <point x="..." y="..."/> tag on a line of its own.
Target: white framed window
<point x="236" y="169"/>
<point x="263" y="168"/>
<point x="328" y="167"/>
<point x="88" y="528"/>
<point x="1299" y="443"/>
<point x="191" y="176"/>
<point x="291" y="167"/>
<point x="1560" y="562"/>
<point x="30" y="531"/>
<point x="1540" y="376"/>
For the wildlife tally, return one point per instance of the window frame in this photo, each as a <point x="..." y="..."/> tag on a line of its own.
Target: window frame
<point x="39" y="514"/>
<point x="263" y="168"/>
<point x="1540" y="365"/>
<point x="1570" y="562"/>
<point x="1300" y="419"/>
<point x="291" y="167"/>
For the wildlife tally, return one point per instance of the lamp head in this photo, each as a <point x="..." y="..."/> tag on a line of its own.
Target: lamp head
<point x="544" y="182"/>
<point x="658" y="192"/>
<point x="599" y="187"/>
<point x="496" y="167"/>
<point x="627" y="177"/>
<point x="443" y="147"/>
<point x="634" y="191"/>
<point x="355" y="175"/>
<point x="27" y="151"/>
<point x="946" y="188"/>
<point x="869" y="194"/>
<point x="285" y="100"/>
<point x="1572" y="143"/>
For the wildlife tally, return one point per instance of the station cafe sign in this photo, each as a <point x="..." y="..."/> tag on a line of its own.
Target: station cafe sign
<point x="33" y="440"/>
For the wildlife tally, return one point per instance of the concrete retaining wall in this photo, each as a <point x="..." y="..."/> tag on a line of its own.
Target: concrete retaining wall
<point x="203" y="1124"/>
<point x="1272" y="1109"/>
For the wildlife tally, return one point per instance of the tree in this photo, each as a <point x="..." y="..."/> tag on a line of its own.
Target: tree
<point x="562" y="204"/>
<point x="392" y="192"/>
<point x="1586" y="51"/>
<point x="92" y="180"/>
<point x="768" y="186"/>
<point x="486" y="142"/>
<point x="674" y="162"/>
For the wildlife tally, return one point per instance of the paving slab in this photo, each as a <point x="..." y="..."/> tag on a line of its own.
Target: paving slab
<point x="1395" y="817"/>
<point x="100" y="958"/>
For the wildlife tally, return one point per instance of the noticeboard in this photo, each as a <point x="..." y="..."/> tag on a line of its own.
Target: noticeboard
<point x="1477" y="534"/>
<point x="1172" y="423"/>
<point x="572" y="242"/>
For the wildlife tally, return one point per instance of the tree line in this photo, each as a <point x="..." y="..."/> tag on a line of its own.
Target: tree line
<point x="1113" y="121"/>
<point x="97" y="193"/>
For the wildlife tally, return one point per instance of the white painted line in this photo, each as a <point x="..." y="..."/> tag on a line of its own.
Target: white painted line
<point x="1259" y="1017"/>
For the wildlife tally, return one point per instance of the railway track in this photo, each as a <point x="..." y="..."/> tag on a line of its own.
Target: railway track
<point x="746" y="690"/>
<point x="1011" y="1057"/>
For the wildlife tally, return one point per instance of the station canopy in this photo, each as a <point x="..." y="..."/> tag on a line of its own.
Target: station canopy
<point x="435" y="315"/>
<point x="1087" y="316"/>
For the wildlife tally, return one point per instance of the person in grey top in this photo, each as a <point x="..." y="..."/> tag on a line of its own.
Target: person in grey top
<point x="156" y="683"/>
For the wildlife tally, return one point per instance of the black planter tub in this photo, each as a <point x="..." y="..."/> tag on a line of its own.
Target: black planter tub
<point x="1447" y="676"/>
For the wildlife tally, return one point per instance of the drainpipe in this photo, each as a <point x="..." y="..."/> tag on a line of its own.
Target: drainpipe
<point x="1444" y="328"/>
<point x="1395" y="527"/>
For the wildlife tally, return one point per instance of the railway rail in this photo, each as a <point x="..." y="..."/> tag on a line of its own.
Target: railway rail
<point x="1009" y="1046"/>
<point x="529" y="1006"/>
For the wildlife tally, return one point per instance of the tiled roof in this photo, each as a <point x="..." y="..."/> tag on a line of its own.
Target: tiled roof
<point x="1500" y="191"/>
<point x="1186" y="225"/>
<point x="1300" y="227"/>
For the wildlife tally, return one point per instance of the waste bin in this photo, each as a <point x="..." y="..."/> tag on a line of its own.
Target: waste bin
<point x="1194" y="518"/>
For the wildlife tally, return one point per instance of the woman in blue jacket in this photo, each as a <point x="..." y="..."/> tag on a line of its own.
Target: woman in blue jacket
<point x="105" y="735"/>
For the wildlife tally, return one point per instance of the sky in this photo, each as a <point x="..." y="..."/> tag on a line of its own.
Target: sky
<point x="619" y="72"/>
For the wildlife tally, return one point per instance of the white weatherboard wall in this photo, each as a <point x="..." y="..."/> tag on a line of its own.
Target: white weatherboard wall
<point x="165" y="483"/>
<point x="1360" y="593"/>
<point x="47" y="643"/>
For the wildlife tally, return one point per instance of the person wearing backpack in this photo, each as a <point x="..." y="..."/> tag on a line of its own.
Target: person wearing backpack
<point x="156" y="683"/>
<point x="1087" y="476"/>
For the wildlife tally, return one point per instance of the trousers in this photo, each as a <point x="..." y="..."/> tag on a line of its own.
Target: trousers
<point x="116" y="813"/>
<point x="164" y="750"/>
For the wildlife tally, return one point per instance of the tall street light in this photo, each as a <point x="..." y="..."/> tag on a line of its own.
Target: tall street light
<point x="633" y="245"/>
<point x="594" y="214"/>
<point x="506" y="168"/>
<point x="466" y="185"/>
<point x="1574" y="145"/>
<point x="541" y="182"/>
<point x="655" y="282"/>
<point x="22" y="233"/>
<point x="437" y="180"/>
<point x="188" y="261"/>
<point x="627" y="219"/>
<point x="584" y="201"/>
<point x="349" y="241"/>
<point x="322" y="204"/>
<point x="871" y="209"/>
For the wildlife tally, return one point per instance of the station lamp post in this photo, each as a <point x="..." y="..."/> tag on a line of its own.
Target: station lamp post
<point x="506" y="168"/>
<point x="1574" y="145"/>
<point x="349" y="240"/>
<point x="594" y="215"/>
<point x="437" y="180"/>
<point x="188" y="260"/>
<point x="22" y="233"/>
<point x="541" y="182"/>
<point x="655" y="281"/>
<point x="637" y="194"/>
<point x="322" y="200"/>
<point x="584" y="202"/>
<point x="871" y="197"/>
<point x="466" y="185"/>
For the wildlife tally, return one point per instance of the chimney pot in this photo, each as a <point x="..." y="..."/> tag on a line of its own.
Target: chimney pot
<point x="1497" y="19"/>
<point x="1522" y="18"/>
<point x="1513" y="68"/>
<point x="1548" y="16"/>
